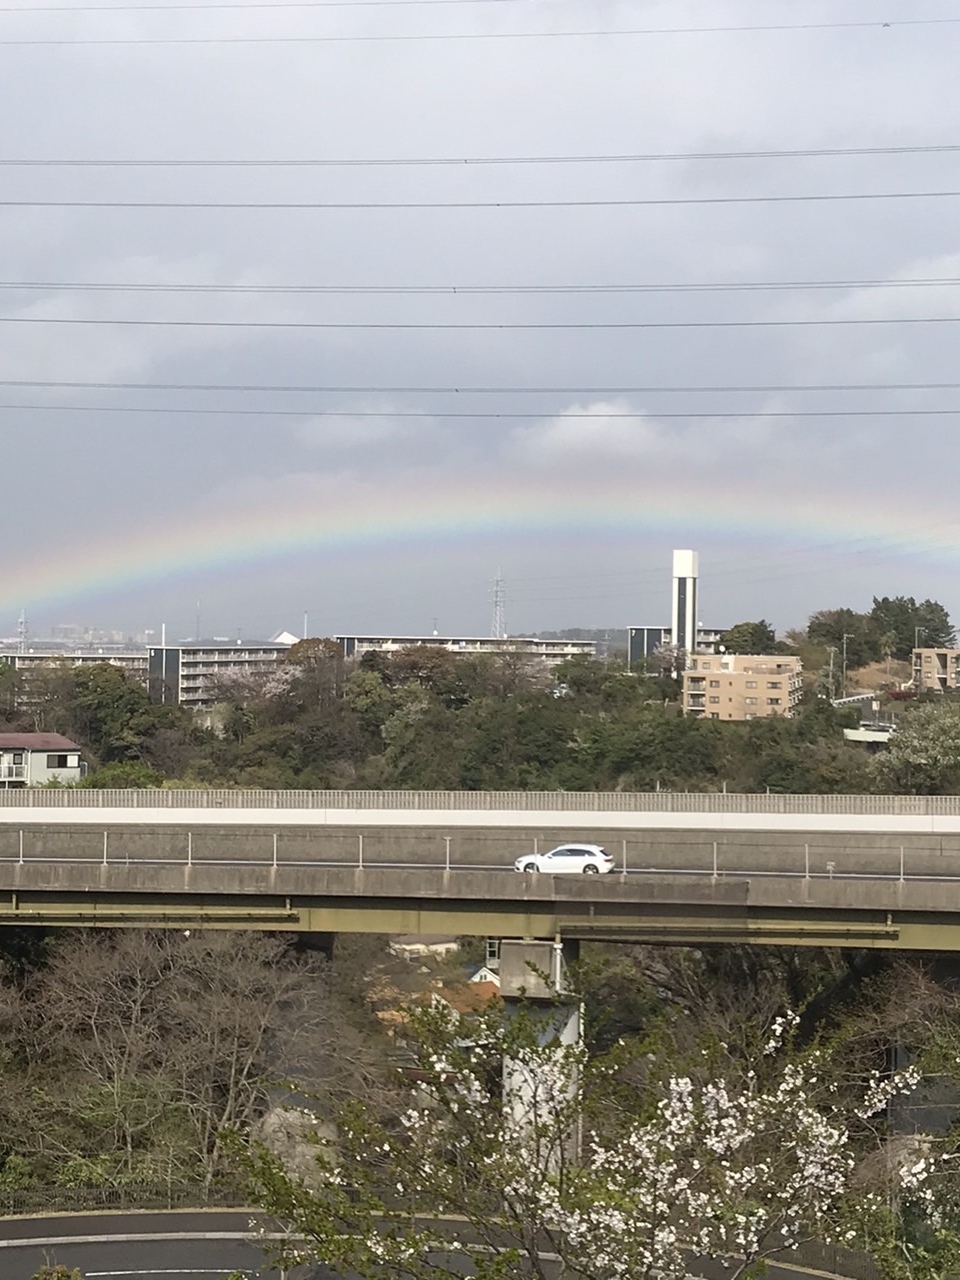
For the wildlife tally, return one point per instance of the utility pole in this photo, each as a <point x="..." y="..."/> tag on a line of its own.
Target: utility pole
<point x="832" y="650"/>
<point x="917" y="662"/>
<point x="843" y="680"/>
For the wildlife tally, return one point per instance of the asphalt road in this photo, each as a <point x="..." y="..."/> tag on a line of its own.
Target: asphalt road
<point x="201" y="1246"/>
<point x="140" y="1246"/>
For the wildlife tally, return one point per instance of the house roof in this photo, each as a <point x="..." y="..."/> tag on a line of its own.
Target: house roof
<point x="471" y="997"/>
<point x="36" y="742"/>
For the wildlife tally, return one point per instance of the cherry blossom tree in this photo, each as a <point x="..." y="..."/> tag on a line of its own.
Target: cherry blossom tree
<point x="625" y="1167"/>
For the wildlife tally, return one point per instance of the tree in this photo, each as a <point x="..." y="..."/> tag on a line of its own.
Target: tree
<point x="58" y="1273"/>
<point x="725" y="1157"/>
<point x="9" y="689"/>
<point x="749" y="637"/>
<point x="846" y="631"/>
<point x="923" y="756"/>
<point x="123" y="775"/>
<point x="142" y="1047"/>
<point x="320" y="670"/>
<point x="906" y="624"/>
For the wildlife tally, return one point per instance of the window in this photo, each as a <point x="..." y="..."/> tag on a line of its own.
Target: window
<point x="714" y="715"/>
<point x="774" y="684"/>
<point x="773" y="702"/>
<point x="57" y="762"/>
<point x="751" y="702"/>
<point x="704" y="666"/>
<point x="18" y="757"/>
<point x="751" y="684"/>
<point x="714" y="698"/>
<point x="714" y="684"/>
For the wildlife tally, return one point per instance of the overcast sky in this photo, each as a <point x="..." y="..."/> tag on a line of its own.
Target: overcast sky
<point x="360" y="500"/>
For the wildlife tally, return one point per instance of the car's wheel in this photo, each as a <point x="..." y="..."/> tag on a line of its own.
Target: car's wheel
<point x="591" y="870"/>
<point x="531" y="866"/>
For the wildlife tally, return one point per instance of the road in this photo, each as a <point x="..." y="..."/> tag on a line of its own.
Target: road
<point x="208" y="1245"/>
<point x="139" y="1246"/>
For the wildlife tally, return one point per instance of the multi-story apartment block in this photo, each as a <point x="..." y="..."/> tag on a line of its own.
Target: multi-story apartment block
<point x="734" y="686"/>
<point x="549" y="652"/>
<point x="936" y="669"/>
<point x="43" y="654"/>
<point x="187" y="673"/>
<point x="644" y="642"/>
<point x="194" y="673"/>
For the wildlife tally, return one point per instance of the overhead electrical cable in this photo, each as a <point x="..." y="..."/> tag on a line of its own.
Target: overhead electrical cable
<point x="817" y="197"/>
<point x="579" y="390"/>
<point x="750" y="286"/>
<point x="494" y="414"/>
<point x="618" y="32"/>
<point x="512" y="326"/>
<point x="936" y="148"/>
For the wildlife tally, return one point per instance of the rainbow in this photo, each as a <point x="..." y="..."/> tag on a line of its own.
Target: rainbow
<point x="378" y="522"/>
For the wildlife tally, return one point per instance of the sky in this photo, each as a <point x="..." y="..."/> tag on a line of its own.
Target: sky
<point x="405" y="301"/>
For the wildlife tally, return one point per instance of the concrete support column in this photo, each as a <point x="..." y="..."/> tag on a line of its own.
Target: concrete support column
<point x="534" y="977"/>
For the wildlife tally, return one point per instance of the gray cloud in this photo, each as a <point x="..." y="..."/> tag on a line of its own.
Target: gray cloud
<point x="789" y="514"/>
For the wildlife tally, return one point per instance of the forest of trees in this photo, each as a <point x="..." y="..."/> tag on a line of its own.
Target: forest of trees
<point x="425" y="718"/>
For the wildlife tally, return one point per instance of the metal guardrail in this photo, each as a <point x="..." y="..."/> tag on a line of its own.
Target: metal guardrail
<point x="485" y="801"/>
<point x="894" y="867"/>
<point x="135" y="1196"/>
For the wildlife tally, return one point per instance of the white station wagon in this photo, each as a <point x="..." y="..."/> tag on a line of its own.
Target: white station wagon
<point x="585" y="859"/>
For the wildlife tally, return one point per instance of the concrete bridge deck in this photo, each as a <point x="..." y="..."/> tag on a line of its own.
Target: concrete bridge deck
<point x="816" y="870"/>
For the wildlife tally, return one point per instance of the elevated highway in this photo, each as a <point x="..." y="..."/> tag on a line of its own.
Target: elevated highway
<point x="878" y="871"/>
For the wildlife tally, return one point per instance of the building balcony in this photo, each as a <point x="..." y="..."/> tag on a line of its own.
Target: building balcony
<point x="12" y="772"/>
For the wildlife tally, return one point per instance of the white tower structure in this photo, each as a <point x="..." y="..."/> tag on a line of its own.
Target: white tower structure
<point x="683" y="619"/>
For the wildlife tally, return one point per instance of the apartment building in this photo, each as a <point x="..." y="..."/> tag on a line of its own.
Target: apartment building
<point x="549" y="652"/>
<point x="735" y="686"/>
<point x="644" y="642"/>
<point x="937" y="670"/>
<point x="187" y="673"/>
<point x="44" y="656"/>
<point x="194" y="673"/>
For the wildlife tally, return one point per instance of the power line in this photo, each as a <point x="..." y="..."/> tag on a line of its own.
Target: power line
<point x="27" y="286"/>
<point x="236" y="4"/>
<point x="466" y="161"/>
<point x="353" y="205"/>
<point x="491" y="415"/>
<point x="513" y="326"/>
<point x="876" y="25"/>
<point x="579" y="390"/>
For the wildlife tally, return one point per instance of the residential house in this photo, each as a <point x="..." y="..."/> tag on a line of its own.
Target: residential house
<point x="33" y="759"/>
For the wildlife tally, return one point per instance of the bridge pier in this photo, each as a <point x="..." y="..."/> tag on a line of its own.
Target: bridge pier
<point x="534" y="978"/>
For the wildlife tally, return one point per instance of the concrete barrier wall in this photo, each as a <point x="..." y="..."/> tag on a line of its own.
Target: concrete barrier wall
<point x="738" y="852"/>
<point x="558" y="802"/>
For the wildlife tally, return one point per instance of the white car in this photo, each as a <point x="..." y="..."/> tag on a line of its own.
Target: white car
<point x="587" y="859"/>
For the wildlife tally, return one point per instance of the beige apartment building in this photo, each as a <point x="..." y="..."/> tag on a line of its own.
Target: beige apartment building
<point x="741" y="686"/>
<point x="936" y="669"/>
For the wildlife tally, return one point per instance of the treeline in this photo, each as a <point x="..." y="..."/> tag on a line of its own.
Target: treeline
<point x="424" y="719"/>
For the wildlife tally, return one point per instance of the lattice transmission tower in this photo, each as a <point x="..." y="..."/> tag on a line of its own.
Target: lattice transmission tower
<point x="498" y="628"/>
